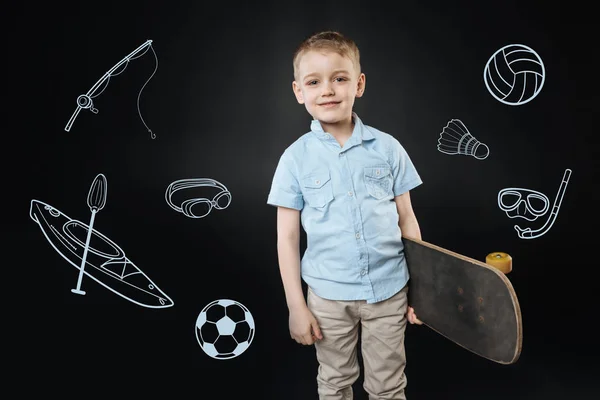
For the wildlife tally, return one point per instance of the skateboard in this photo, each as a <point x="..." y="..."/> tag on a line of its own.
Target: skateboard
<point x="470" y="302"/>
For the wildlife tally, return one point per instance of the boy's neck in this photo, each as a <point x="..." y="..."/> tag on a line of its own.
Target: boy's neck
<point x="341" y="130"/>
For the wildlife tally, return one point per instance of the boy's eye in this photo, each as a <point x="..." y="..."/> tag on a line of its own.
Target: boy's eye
<point x="338" y="79"/>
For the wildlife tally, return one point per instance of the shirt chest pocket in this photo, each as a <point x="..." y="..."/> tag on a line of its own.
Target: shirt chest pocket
<point x="378" y="181"/>
<point x="317" y="188"/>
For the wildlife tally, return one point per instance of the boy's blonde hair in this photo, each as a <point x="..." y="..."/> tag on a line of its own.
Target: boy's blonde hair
<point x="328" y="40"/>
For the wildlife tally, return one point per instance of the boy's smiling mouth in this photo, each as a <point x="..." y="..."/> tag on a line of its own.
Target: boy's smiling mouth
<point x="330" y="104"/>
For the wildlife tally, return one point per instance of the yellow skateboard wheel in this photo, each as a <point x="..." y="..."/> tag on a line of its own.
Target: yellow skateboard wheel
<point x="500" y="260"/>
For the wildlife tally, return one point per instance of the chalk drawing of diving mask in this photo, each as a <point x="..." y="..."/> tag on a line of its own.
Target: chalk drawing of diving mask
<point x="523" y="203"/>
<point x="510" y="200"/>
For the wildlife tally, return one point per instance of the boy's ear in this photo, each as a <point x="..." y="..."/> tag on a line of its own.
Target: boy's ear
<point x="297" y="92"/>
<point x="360" y="87"/>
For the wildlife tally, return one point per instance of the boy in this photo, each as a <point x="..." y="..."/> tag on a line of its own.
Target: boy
<point x="348" y="183"/>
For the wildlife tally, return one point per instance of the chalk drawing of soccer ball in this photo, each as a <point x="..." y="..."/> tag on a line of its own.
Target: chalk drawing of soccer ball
<point x="515" y="74"/>
<point x="224" y="329"/>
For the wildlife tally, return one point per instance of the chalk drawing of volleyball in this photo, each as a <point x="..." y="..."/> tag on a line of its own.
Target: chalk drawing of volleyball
<point x="515" y="74"/>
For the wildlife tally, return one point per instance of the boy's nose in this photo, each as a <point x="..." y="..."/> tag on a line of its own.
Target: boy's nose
<point x="327" y="89"/>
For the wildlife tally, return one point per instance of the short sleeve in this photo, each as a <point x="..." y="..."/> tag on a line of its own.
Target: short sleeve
<point x="285" y="190"/>
<point x="404" y="172"/>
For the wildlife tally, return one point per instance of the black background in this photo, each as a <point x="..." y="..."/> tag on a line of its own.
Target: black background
<point x="222" y="107"/>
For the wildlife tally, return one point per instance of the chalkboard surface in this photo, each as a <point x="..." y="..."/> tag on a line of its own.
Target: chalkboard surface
<point x="146" y="138"/>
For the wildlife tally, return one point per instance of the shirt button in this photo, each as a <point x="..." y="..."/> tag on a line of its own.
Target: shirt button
<point x="363" y="272"/>
<point x="317" y="182"/>
<point x="349" y="193"/>
<point x="342" y="154"/>
<point x="357" y="235"/>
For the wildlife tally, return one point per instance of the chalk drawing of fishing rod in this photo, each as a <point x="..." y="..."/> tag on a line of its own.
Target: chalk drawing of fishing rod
<point x="85" y="101"/>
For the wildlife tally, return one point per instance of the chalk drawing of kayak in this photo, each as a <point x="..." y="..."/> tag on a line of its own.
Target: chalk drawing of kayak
<point x="105" y="262"/>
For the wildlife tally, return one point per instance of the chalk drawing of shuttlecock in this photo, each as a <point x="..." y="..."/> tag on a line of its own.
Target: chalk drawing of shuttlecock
<point x="455" y="139"/>
<point x="515" y="74"/>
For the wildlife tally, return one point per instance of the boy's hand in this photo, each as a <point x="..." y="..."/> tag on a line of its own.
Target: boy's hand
<point x="304" y="328"/>
<point x="412" y="317"/>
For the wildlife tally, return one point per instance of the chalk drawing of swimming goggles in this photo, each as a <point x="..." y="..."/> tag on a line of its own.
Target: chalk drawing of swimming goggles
<point x="535" y="205"/>
<point x="198" y="207"/>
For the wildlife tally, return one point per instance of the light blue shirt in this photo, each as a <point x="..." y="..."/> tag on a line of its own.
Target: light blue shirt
<point x="346" y="197"/>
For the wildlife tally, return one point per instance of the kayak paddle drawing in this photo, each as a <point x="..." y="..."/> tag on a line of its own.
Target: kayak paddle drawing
<point x="96" y="201"/>
<point x="95" y="255"/>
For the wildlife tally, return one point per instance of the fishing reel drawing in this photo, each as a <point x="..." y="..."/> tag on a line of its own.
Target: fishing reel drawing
<point x="198" y="207"/>
<point x="84" y="101"/>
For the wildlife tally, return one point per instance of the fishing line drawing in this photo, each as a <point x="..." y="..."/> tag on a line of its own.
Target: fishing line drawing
<point x="535" y="204"/>
<point x="85" y="102"/>
<point x="220" y="201"/>
<point x="224" y="329"/>
<point x="514" y="74"/>
<point x="94" y="254"/>
<point x="455" y="139"/>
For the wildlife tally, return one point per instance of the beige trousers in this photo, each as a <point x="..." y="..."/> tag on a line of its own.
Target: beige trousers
<point x="382" y="344"/>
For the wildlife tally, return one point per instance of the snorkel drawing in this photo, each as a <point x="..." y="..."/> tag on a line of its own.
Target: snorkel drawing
<point x="104" y="261"/>
<point x="85" y="101"/>
<point x="510" y="200"/>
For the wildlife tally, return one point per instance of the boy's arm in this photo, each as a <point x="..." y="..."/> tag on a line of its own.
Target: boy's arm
<point x="410" y="228"/>
<point x="406" y="217"/>
<point x="288" y="250"/>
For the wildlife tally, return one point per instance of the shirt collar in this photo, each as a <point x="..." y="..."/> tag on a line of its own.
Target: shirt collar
<point x="359" y="133"/>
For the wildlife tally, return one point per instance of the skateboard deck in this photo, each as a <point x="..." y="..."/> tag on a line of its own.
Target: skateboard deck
<point x="465" y="300"/>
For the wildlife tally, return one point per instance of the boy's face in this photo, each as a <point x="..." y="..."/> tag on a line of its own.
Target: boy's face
<point x="327" y="85"/>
